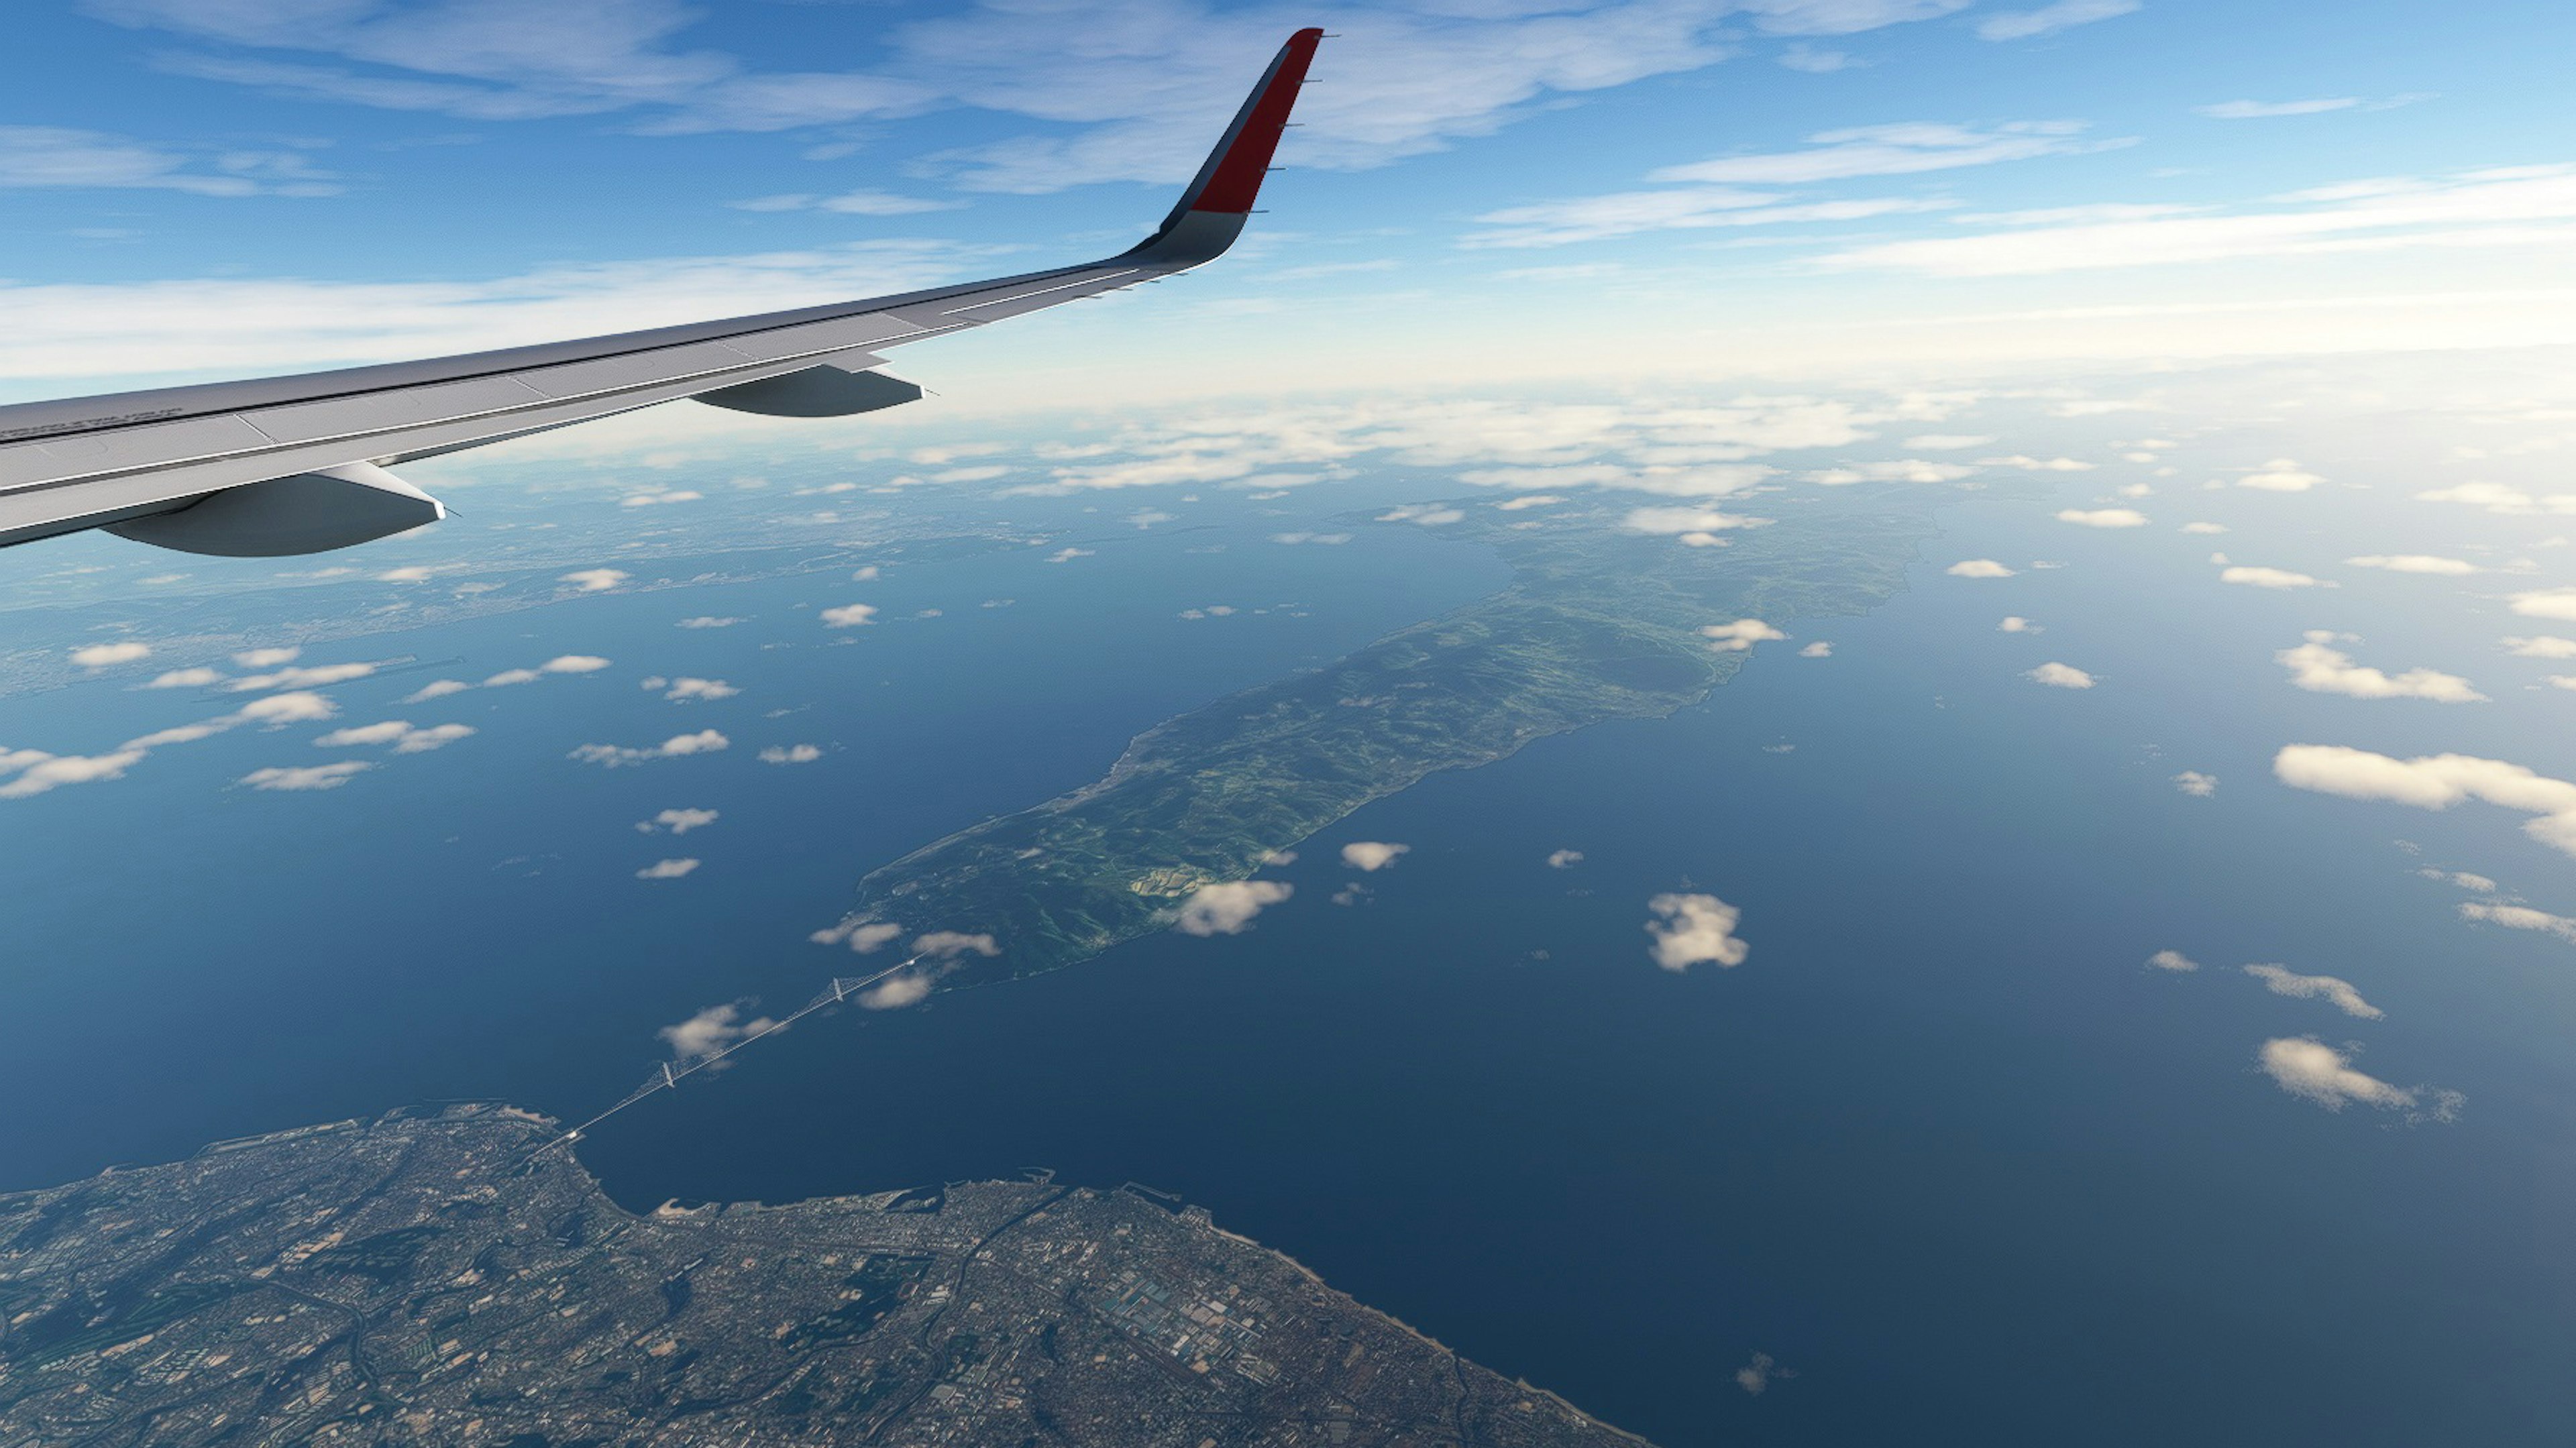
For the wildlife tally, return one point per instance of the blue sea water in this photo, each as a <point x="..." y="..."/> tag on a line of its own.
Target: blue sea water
<point x="1942" y="1147"/>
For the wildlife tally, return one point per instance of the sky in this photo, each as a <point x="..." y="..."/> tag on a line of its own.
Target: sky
<point x="1480" y="190"/>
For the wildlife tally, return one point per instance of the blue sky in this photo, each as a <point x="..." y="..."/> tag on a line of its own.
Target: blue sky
<point x="212" y="187"/>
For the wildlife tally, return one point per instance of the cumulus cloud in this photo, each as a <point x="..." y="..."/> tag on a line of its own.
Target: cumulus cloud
<point x="2544" y="646"/>
<point x="1694" y="929"/>
<point x="2266" y="577"/>
<point x="436" y="689"/>
<point x="38" y="772"/>
<point x="196" y="678"/>
<point x="2415" y="563"/>
<point x="679" y="821"/>
<point x="1899" y="470"/>
<point x="102" y="656"/>
<point x="1978" y="568"/>
<point x="2060" y="676"/>
<point x="2558" y="603"/>
<point x="666" y="870"/>
<point x="2196" y="784"/>
<point x="1669" y="521"/>
<point x="895" y="992"/>
<point x="2015" y="623"/>
<point x="1820" y="649"/>
<point x="861" y="934"/>
<point x="2319" y="668"/>
<point x="267" y="658"/>
<point x="1227" y="907"/>
<point x="2497" y="498"/>
<point x="713" y="1031"/>
<point x="1755" y="1377"/>
<point x="2314" y="1071"/>
<point x="2520" y="917"/>
<point x="2103" y="517"/>
<point x="707" y="620"/>
<point x="574" y="664"/>
<point x="1372" y="855"/>
<point x="2204" y="528"/>
<point x="2280" y="475"/>
<point x="849" y="615"/>
<point x="1564" y="859"/>
<point x="1067" y="555"/>
<point x="685" y="689"/>
<point x="405" y="737"/>
<point x="318" y="676"/>
<point x="595" y="580"/>
<point x="307" y="777"/>
<point x="2281" y="980"/>
<point x="950" y="944"/>
<point x="703" y="742"/>
<point x="2173" y="960"/>
<point x="1739" y="636"/>
<point x="791" y="754"/>
<point x="2435" y="782"/>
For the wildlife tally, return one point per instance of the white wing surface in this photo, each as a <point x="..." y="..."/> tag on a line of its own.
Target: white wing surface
<point x="297" y="464"/>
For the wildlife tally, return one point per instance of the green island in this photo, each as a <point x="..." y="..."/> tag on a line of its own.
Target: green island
<point x="1601" y="621"/>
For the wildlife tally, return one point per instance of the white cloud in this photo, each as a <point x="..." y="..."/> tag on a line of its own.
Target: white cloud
<point x="2520" y="917"/>
<point x="1820" y="649"/>
<point x="1227" y="907"/>
<point x="2049" y="19"/>
<point x="666" y="869"/>
<point x="2173" y="960"/>
<point x="950" y="944"/>
<point x="1372" y="855"/>
<point x="895" y="992"/>
<point x="684" y="689"/>
<point x="2543" y="646"/>
<point x="197" y="678"/>
<point x="402" y="735"/>
<point x="2462" y="878"/>
<point x="574" y="664"/>
<point x="703" y="742"/>
<point x="1564" y="859"/>
<point x="2196" y="784"/>
<point x="2435" y="782"/>
<point x="2497" y="498"/>
<point x="1978" y="568"/>
<point x="1067" y="555"/>
<point x="2260" y="110"/>
<point x="665" y="495"/>
<point x="2030" y="464"/>
<point x="849" y="615"/>
<point x="712" y="1031"/>
<point x="56" y="157"/>
<point x="1945" y="441"/>
<point x="595" y="580"/>
<point x="101" y="656"/>
<point x="38" y="772"/>
<point x="707" y="621"/>
<point x="508" y="677"/>
<point x="2557" y="603"/>
<point x="1694" y="929"/>
<point x="2415" y="563"/>
<point x="2308" y="1068"/>
<point x="680" y="821"/>
<point x="1904" y="149"/>
<point x="279" y="710"/>
<point x="2204" y="527"/>
<point x="306" y="777"/>
<point x="316" y="677"/>
<point x="1739" y="636"/>
<point x="1428" y="515"/>
<point x="1668" y="521"/>
<point x="1892" y="470"/>
<point x="1755" y="1377"/>
<point x="2266" y="577"/>
<point x="2321" y="669"/>
<point x="2512" y="206"/>
<point x="436" y="689"/>
<point x="848" y="203"/>
<point x="2280" y="475"/>
<point x="791" y="754"/>
<point x="2281" y="980"/>
<point x="2060" y="676"/>
<point x="2103" y="517"/>
<point x="2015" y="623"/>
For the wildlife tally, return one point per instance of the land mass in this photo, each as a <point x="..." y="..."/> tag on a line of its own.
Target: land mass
<point x="1603" y="620"/>
<point x="454" y="1277"/>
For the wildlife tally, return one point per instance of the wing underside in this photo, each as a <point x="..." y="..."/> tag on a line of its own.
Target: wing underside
<point x="296" y="464"/>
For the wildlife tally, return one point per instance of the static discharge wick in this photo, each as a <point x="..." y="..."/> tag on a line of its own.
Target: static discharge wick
<point x="669" y="1075"/>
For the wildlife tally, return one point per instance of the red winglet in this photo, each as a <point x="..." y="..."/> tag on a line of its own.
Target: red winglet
<point x="1233" y="180"/>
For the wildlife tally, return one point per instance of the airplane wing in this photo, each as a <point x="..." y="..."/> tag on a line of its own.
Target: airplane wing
<point x="284" y="465"/>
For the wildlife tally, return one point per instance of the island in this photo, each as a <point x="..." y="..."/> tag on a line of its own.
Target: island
<point x="1613" y="612"/>
<point x="453" y="1276"/>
